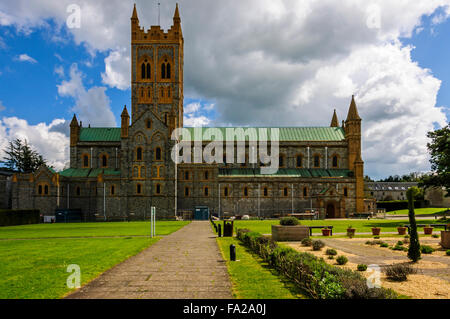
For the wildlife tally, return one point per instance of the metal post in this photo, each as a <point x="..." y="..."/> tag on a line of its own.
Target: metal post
<point x="104" y="200"/>
<point x="292" y="198"/>
<point x="219" y="202"/>
<point x="259" y="201"/>
<point x="232" y="252"/>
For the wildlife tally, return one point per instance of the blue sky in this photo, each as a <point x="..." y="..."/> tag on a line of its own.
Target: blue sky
<point x="48" y="71"/>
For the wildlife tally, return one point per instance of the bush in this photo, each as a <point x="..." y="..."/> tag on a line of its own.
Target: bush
<point x="435" y="236"/>
<point x="397" y="247"/>
<point x="19" y="217"/>
<point x="399" y="272"/>
<point x="362" y="267"/>
<point x="318" y="245"/>
<point x="376" y="237"/>
<point x="424" y="249"/>
<point x="399" y="243"/>
<point x="341" y="260"/>
<point x="447" y="252"/>
<point x="289" y="221"/>
<point x="331" y="252"/>
<point x="307" y="242"/>
<point x="384" y="245"/>
<point x="330" y="257"/>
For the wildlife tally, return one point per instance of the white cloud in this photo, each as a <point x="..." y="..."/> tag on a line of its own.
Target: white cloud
<point x="25" y="58"/>
<point x="92" y="105"/>
<point x="192" y="108"/>
<point x="117" y="69"/>
<point x="195" y="121"/>
<point x="54" y="146"/>
<point x="59" y="70"/>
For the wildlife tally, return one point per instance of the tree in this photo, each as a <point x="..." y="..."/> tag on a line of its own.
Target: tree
<point x="439" y="148"/>
<point x="414" y="245"/>
<point x="21" y="157"/>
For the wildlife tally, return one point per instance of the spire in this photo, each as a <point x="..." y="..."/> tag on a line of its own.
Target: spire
<point x="135" y="15"/>
<point x="177" y="13"/>
<point x="353" y="111"/>
<point x="125" y="112"/>
<point x="74" y="121"/>
<point x="334" y="120"/>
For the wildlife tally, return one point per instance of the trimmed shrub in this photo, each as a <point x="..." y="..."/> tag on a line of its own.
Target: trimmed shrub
<point x="362" y="267"/>
<point x="341" y="260"/>
<point x="399" y="272"/>
<point x="289" y="221"/>
<point x="331" y="252"/>
<point x="307" y="242"/>
<point x="424" y="249"/>
<point x="384" y="245"/>
<point x="317" y="245"/>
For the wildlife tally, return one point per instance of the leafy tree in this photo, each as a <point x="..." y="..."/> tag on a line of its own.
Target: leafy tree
<point x="439" y="148"/>
<point x="21" y="157"/>
<point x="414" y="245"/>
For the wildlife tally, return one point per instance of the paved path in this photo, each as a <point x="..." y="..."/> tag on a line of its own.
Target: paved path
<point x="186" y="264"/>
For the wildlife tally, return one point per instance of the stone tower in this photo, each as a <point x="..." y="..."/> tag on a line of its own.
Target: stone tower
<point x="355" y="162"/>
<point x="157" y="70"/>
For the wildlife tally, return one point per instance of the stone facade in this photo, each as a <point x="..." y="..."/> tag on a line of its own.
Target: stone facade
<point x="120" y="173"/>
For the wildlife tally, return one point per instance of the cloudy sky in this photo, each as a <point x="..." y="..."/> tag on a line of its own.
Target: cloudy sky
<point x="252" y="62"/>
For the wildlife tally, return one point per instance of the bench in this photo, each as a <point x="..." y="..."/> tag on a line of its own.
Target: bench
<point x="311" y="228"/>
<point x="425" y="225"/>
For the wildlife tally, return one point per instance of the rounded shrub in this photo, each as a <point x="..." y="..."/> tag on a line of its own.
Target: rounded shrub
<point x="399" y="272"/>
<point x="318" y="244"/>
<point x="330" y="257"/>
<point x="424" y="249"/>
<point x="362" y="267"/>
<point x="331" y="252"/>
<point x="341" y="260"/>
<point x="289" y="221"/>
<point x="447" y="252"/>
<point x="307" y="242"/>
<point x="435" y="236"/>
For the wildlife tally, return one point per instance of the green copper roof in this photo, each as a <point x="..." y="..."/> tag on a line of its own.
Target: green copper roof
<point x="100" y="134"/>
<point x="290" y="172"/>
<point x="88" y="172"/>
<point x="286" y="134"/>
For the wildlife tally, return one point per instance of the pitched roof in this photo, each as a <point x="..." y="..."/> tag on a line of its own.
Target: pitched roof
<point x="89" y="172"/>
<point x="100" y="134"/>
<point x="286" y="134"/>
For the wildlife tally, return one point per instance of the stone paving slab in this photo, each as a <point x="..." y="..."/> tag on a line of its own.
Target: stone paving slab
<point x="186" y="264"/>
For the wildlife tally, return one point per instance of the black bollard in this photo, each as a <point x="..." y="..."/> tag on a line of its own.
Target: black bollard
<point x="220" y="231"/>
<point x="232" y="252"/>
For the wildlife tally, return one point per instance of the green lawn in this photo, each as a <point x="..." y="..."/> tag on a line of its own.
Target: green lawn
<point x="89" y="229"/>
<point x="37" y="268"/>
<point x="419" y="211"/>
<point x="250" y="278"/>
<point x="339" y="226"/>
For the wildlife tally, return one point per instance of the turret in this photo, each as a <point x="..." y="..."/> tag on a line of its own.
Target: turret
<point x="125" y="123"/>
<point x="334" y="120"/>
<point x="134" y="24"/>
<point x="74" y="131"/>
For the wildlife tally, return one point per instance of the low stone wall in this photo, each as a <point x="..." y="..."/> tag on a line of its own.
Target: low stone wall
<point x="445" y="239"/>
<point x="289" y="233"/>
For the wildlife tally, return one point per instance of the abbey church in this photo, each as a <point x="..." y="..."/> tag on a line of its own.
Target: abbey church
<point x="120" y="173"/>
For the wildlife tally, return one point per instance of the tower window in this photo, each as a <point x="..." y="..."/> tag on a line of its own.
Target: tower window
<point x="168" y="70"/>
<point x="163" y="71"/>
<point x="149" y="124"/>
<point x="206" y="175"/>
<point x="186" y="176"/>
<point x="168" y="91"/>
<point x="148" y="70"/>
<point x="40" y="189"/>
<point x="143" y="75"/>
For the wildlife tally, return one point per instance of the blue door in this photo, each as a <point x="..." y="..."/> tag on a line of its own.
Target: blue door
<point x="201" y="213"/>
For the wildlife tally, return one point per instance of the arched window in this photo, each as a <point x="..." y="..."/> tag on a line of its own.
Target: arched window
<point x="149" y="124"/>
<point x="168" y="91"/>
<point x="149" y="69"/>
<point x="345" y="191"/>
<point x="139" y="154"/>
<point x="104" y="160"/>
<point x="299" y="161"/>
<point x="266" y="192"/>
<point x="281" y="160"/>
<point x="163" y="71"/>
<point x="139" y="189"/>
<point x="40" y="189"/>
<point x="85" y="161"/>
<point x="206" y="175"/>
<point x="46" y="190"/>
<point x="226" y="191"/>
<point x="149" y="93"/>
<point x="143" y="75"/>
<point x="113" y="190"/>
<point x="165" y="118"/>
<point x="305" y="191"/>
<point x="335" y="161"/>
<point x="168" y="70"/>
<point x="186" y="191"/>
<point x="158" y="189"/>
<point x="186" y="175"/>
<point x="142" y="172"/>
<point x="206" y="191"/>
<point x="158" y="154"/>
<point x="245" y="191"/>
<point x="316" y="161"/>
<point x="285" y="192"/>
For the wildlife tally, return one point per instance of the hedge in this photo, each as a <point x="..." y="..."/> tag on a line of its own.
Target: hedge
<point x="312" y="275"/>
<point x="19" y="217"/>
<point x="401" y="204"/>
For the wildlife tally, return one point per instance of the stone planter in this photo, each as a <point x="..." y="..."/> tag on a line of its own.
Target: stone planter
<point x="428" y="230"/>
<point x="401" y="230"/>
<point x="445" y="239"/>
<point x="376" y="231"/>
<point x="326" y="232"/>
<point x="289" y="233"/>
<point x="351" y="232"/>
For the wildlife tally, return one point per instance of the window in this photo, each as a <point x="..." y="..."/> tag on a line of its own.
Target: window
<point x="158" y="155"/>
<point x="139" y="155"/>
<point x="142" y="172"/>
<point x="281" y="161"/>
<point x="168" y="92"/>
<point x="113" y="190"/>
<point x="265" y="192"/>
<point x="245" y="191"/>
<point x="163" y="71"/>
<point x="206" y="175"/>
<point x="299" y="161"/>
<point x="104" y="160"/>
<point x="168" y="70"/>
<point x="85" y="158"/>
<point x="158" y="189"/>
<point x="148" y="124"/>
<point x="345" y="191"/>
<point x="206" y="191"/>
<point x="78" y="191"/>
<point x="146" y="70"/>
<point x="165" y="118"/>
<point x="335" y="161"/>
<point x="285" y="192"/>
<point x="40" y="190"/>
<point x="139" y="189"/>
<point x="149" y="71"/>
<point x="186" y="175"/>
<point x="46" y="190"/>
<point x="226" y="191"/>
<point x="305" y="191"/>
<point x="186" y="192"/>
<point x="316" y="161"/>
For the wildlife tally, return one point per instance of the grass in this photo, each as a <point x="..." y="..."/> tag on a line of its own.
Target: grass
<point x="88" y="230"/>
<point x="35" y="268"/>
<point x="419" y="211"/>
<point x="339" y="226"/>
<point x="250" y="276"/>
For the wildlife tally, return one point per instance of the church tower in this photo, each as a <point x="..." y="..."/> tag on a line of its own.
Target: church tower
<point x="157" y="70"/>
